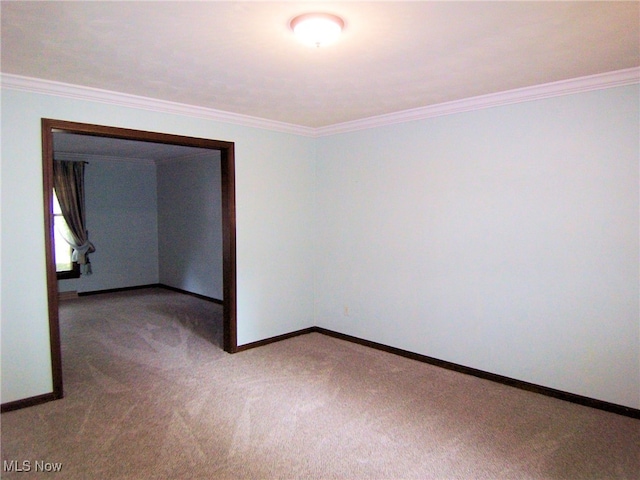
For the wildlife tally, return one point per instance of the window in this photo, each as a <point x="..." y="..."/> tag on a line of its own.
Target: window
<point x="65" y="267"/>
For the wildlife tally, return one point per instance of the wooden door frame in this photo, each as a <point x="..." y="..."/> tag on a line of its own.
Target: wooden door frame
<point x="227" y="160"/>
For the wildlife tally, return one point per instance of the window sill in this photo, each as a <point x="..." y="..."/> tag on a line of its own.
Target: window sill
<point x="69" y="274"/>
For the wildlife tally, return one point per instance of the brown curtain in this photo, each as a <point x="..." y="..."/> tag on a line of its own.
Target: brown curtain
<point x="68" y="182"/>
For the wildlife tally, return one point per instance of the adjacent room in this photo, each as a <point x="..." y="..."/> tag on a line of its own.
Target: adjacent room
<point x="410" y="249"/>
<point x="154" y="214"/>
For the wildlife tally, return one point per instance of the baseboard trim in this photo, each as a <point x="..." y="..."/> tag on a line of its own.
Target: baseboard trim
<point x="279" y="338"/>
<point x="117" y="290"/>
<point x="197" y="295"/>
<point x="512" y="382"/>
<point x="28" y="402"/>
<point x="152" y="285"/>
<point x="67" y="295"/>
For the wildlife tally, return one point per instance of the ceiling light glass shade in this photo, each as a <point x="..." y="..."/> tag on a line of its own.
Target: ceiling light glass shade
<point x="317" y="29"/>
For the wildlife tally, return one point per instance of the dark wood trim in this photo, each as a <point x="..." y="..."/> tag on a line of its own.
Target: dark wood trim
<point x="28" y="402"/>
<point x="139" y="135"/>
<point x="192" y="294"/>
<point x="228" y="169"/>
<point x="68" y="274"/>
<point x="151" y="285"/>
<point x="279" y="338"/>
<point x="119" y="289"/>
<point x="52" y="276"/>
<point x="49" y="126"/>
<point x="512" y="382"/>
<point x="68" y="295"/>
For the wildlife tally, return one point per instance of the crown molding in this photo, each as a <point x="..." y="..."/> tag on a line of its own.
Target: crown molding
<point x="616" y="78"/>
<point x="49" y="87"/>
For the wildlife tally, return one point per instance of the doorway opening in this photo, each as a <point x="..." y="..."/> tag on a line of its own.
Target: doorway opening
<point x="227" y="187"/>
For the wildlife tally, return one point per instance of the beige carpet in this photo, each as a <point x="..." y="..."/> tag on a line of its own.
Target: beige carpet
<point x="150" y="394"/>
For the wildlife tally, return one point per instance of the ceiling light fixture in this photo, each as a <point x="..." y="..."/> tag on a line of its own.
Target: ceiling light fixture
<point x="317" y="29"/>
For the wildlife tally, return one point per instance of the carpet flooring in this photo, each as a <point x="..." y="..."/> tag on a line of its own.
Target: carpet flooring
<point x="149" y="394"/>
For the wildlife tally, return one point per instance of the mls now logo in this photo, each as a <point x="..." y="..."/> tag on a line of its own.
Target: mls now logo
<point x="28" y="466"/>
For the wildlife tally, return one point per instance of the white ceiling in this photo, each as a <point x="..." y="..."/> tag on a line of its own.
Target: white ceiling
<point x="241" y="57"/>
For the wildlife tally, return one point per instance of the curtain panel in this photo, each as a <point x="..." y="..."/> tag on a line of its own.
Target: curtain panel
<point x="68" y="182"/>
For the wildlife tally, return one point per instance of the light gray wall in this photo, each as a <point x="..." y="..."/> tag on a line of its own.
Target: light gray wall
<point x="190" y="224"/>
<point x="504" y="239"/>
<point x="121" y="203"/>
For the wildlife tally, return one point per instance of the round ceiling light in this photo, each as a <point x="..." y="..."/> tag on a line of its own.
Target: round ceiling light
<point x="317" y="29"/>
